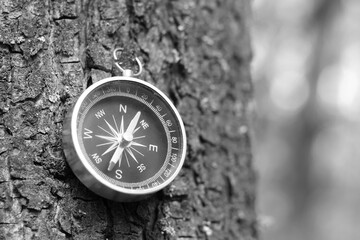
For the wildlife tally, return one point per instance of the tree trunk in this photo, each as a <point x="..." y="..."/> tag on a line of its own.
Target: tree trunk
<point x="197" y="52"/>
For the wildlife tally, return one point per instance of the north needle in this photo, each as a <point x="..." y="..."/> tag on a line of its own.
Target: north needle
<point x="128" y="135"/>
<point x="124" y="141"/>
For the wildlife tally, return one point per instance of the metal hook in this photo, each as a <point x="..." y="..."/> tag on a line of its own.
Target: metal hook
<point x="127" y="72"/>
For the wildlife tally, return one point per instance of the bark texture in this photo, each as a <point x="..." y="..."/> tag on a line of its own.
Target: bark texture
<point x="197" y="52"/>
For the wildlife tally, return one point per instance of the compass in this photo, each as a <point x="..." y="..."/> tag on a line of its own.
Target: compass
<point x="124" y="139"/>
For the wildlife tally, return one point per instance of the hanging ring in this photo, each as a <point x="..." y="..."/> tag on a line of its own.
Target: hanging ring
<point x="126" y="71"/>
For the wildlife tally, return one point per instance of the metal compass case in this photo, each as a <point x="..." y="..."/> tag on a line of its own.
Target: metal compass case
<point x="124" y="139"/>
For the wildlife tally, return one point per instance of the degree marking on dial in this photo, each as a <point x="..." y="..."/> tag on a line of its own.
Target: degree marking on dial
<point x="163" y="115"/>
<point x="174" y="148"/>
<point x="171" y="165"/>
<point x="172" y="131"/>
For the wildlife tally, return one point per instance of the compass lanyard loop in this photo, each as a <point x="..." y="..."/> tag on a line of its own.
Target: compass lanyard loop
<point x="126" y="72"/>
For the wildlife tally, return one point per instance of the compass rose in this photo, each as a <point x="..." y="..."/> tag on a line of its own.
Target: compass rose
<point x="122" y="141"/>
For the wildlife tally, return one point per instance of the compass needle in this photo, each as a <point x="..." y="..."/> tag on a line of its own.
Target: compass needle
<point x="120" y="160"/>
<point x="128" y="134"/>
<point x="115" y="158"/>
<point x="112" y="147"/>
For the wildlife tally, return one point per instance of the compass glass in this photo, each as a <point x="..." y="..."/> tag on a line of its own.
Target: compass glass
<point x="130" y="134"/>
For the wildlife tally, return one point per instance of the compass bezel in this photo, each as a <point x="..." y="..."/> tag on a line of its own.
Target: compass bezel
<point x="88" y="175"/>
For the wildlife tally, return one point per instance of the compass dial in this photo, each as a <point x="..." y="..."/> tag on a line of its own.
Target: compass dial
<point x="128" y="137"/>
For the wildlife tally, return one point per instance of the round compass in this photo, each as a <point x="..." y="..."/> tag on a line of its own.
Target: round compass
<point x="124" y="139"/>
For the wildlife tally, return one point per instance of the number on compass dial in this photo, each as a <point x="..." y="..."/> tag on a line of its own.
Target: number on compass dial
<point x="129" y="135"/>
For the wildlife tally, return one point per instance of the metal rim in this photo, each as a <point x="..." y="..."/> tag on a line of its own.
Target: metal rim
<point x="82" y="158"/>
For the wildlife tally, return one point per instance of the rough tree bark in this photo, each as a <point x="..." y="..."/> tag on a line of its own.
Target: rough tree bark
<point x="197" y="52"/>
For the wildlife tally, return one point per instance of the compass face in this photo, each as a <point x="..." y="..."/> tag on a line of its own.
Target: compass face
<point x="128" y="135"/>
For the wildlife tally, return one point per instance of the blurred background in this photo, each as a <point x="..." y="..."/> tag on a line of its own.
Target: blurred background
<point x="306" y="72"/>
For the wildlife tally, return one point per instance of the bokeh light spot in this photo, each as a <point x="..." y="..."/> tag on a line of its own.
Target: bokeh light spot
<point x="289" y="91"/>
